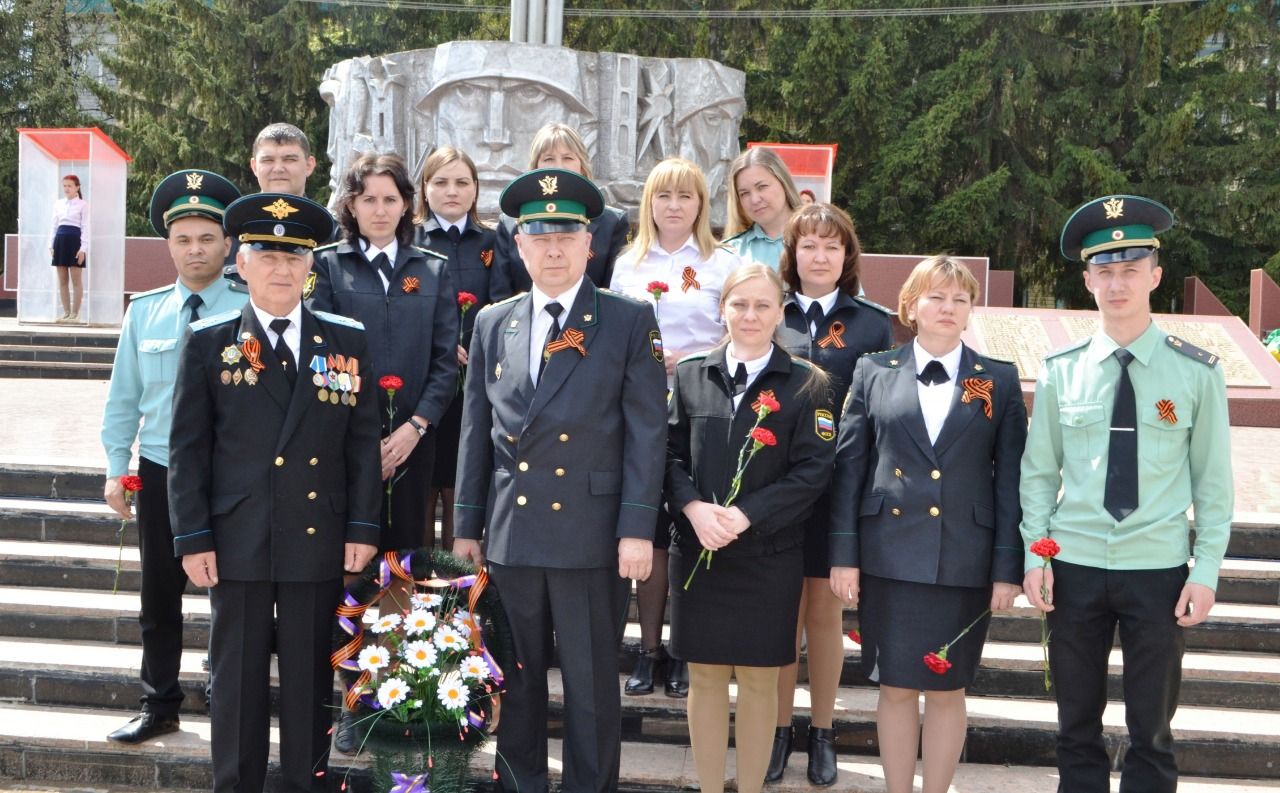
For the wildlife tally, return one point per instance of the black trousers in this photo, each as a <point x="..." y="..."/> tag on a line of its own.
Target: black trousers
<point x="1089" y="604"/>
<point x="163" y="582"/>
<point x="580" y="612"/>
<point x="246" y="615"/>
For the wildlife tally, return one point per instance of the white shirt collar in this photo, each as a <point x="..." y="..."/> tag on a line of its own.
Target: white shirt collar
<point x="371" y="252"/>
<point x="460" y="224"/>
<point x="950" y="361"/>
<point x="565" y="298"/>
<point x="754" y="367"/>
<point x="264" y="318"/>
<point x="827" y="301"/>
<point x="690" y="244"/>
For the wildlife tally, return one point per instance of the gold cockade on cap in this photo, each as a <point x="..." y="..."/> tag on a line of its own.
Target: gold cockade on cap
<point x="1114" y="208"/>
<point x="548" y="184"/>
<point x="194" y="180"/>
<point x="280" y="210"/>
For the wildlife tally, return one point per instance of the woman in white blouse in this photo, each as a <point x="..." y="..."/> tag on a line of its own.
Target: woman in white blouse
<point x="673" y="246"/>
<point x="68" y="246"/>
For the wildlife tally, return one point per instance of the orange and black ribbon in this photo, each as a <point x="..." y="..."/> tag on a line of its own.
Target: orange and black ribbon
<point x="409" y="284"/>
<point x="768" y="392"/>
<point x="486" y="256"/>
<point x="571" y="338"/>
<point x="252" y="349"/>
<point x="834" y="337"/>
<point x="1167" y="414"/>
<point x="977" y="388"/>
<point x="689" y="279"/>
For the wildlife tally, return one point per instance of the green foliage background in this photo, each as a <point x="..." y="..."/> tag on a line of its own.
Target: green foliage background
<point x="972" y="134"/>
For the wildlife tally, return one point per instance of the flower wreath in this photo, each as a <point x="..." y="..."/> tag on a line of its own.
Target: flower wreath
<point x="462" y="599"/>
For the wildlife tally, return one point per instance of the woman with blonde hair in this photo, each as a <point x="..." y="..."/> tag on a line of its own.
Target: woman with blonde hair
<point x="761" y="200"/>
<point x="675" y="247"/>
<point x="924" y="519"/>
<point x="826" y="322"/>
<point x="446" y="221"/>
<point x="558" y="146"/>
<point x="736" y="617"/>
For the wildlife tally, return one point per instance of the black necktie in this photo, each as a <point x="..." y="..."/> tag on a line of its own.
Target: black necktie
<point x="1121" y="496"/>
<point x="383" y="265"/>
<point x="933" y="374"/>
<point x="740" y="379"/>
<point x="814" y="314"/>
<point x="553" y="308"/>
<point x="193" y="304"/>
<point x="455" y="234"/>
<point x="283" y="353"/>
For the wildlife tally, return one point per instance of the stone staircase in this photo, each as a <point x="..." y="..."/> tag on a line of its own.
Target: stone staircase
<point x="59" y="351"/>
<point x="69" y="654"/>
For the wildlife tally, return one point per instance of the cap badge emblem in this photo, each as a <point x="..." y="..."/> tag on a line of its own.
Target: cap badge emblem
<point x="280" y="210"/>
<point x="1117" y="235"/>
<point x="194" y="180"/>
<point x="195" y="199"/>
<point x="548" y="185"/>
<point x="1114" y="208"/>
<point x="278" y="229"/>
<point x="551" y="207"/>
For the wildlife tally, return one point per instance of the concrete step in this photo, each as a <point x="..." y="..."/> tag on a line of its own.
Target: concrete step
<point x="50" y="482"/>
<point x="63" y="520"/>
<point x="62" y="751"/>
<point x="40" y="353"/>
<point x="59" y="335"/>
<point x="61" y="370"/>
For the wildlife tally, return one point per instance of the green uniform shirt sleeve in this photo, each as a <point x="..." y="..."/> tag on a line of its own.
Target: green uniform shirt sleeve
<point x="1212" y="488"/>
<point x="1041" y="466"/>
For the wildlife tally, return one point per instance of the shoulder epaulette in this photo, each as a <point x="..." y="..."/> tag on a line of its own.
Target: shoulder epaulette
<point x="216" y="319"/>
<point x="238" y="287"/>
<point x="1069" y="348"/>
<point x="338" y="319"/>
<point x="1191" y="351"/>
<point x="694" y="356"/>
<point x="505" y="301"/>
<point x="157" y="291"/>
<point x="627" y="298"/>
<point x="891" y="358"/>
<point x="430" y="252"/>
<point x="803" y="363"/>
<point x="873" y="304"/>
<point x="326" y="246"/>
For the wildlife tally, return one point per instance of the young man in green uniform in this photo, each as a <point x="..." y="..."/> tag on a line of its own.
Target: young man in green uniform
<point x="1131" y="424"/>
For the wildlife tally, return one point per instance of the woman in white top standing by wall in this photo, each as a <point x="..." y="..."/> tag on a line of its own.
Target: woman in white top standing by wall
<point x="673" y="246"/>
<point x="69" y="245"/>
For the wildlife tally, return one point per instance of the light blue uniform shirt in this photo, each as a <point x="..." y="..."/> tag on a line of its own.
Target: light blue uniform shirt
<point x="753" y="245"/>
<point x="141" y="390"/>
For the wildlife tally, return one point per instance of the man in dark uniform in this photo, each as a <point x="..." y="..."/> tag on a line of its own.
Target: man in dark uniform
<point x="274" y="477"/>
<point x="560" y="473"/>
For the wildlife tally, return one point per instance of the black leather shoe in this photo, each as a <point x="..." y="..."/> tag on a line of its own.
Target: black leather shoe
<point x="822" y="756"/>
<point x="144" y="727"/>
<point x="678" y="679"/>
<point x="641" y="680"/>
<point x="346" y="734"/>
<point x="782" y="739"/>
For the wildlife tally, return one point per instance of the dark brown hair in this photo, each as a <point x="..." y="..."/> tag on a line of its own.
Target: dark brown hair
<point x="353" y="185"/>
<point x="282" y="134"/>
<point x="824" y="220"/>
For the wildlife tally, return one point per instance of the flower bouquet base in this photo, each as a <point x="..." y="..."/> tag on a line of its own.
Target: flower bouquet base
<point x="414" y="758"/>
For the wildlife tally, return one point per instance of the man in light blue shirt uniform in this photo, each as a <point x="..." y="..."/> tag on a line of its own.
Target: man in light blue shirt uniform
<point x="186" y="209"/>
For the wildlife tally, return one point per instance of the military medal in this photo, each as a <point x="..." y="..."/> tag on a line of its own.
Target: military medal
<point x="225" y="377"/>
<point x="231" y="355"/>
<point x="250" y="377"/>
<point x="333" y="397"/>
<point x="236" y="377"/>
<point x="322" y="395"/>
<point x="318" y="380"/>
<point x="344" y="398"/>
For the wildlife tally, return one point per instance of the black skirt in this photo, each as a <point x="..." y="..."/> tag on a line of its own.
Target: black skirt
<point x="741" y="612"/>
<point x="448" y="431"/>
<point x="66" y="244"/>
<point x="902" y="621"/>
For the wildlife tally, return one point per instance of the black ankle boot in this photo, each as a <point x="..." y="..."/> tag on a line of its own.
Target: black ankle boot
<point x="677" y="679"/>
<point x="822" y="756"/>
<point x="782" y="740"/>
<point x="641" y="680"/>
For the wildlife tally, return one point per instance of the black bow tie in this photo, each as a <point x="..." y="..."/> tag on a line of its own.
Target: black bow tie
<point x="740" y="379"/>
<point x="814" y="314"/>
<point x="933" y="374"/>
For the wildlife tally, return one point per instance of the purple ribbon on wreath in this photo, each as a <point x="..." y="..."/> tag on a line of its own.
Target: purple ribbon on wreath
<point x="409" y="784"/>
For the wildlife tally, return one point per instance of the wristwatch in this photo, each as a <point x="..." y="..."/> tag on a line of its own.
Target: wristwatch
<point x="421" y="429"/>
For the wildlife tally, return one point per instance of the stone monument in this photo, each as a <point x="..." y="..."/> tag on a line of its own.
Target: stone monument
<point x="489" y="98"/>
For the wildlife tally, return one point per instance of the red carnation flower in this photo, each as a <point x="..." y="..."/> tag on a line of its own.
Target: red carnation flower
<point x="657" y="289"/>
<point x="768" y="403"/>
<point x="1045" y="548"/>
<point x="763" y="436"/>
<point x="938" y="664"/>
<point x="466" y="300"/>
<point x="390" y="382"/>
<point x="131" y="484"/>
<point x="856" y="636"/>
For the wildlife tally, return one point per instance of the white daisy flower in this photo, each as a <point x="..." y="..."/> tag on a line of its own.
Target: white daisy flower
<point x="463" y="628"/>
<point x="426" y="600"/>
<point x="420" y="654"/>
<point x="453" y="694"/>
<point x="474" y="667"/>
<point x="392" y="692"/>
<point x="448" y="638"/>
<point x="373" y="658"/>
<point x="419" y="621"/>
<point x="387" y="623"/>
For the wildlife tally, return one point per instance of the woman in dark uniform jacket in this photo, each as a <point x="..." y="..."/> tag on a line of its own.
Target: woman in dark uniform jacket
<point x="558" y="146"/>
<point x="447" y="224"/>
<point x="737" y="618"/>
<point x="828" y="324"/>
<point x="924" y="516"/>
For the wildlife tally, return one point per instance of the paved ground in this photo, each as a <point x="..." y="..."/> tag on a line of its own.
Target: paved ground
<point x="56" y="422"/>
